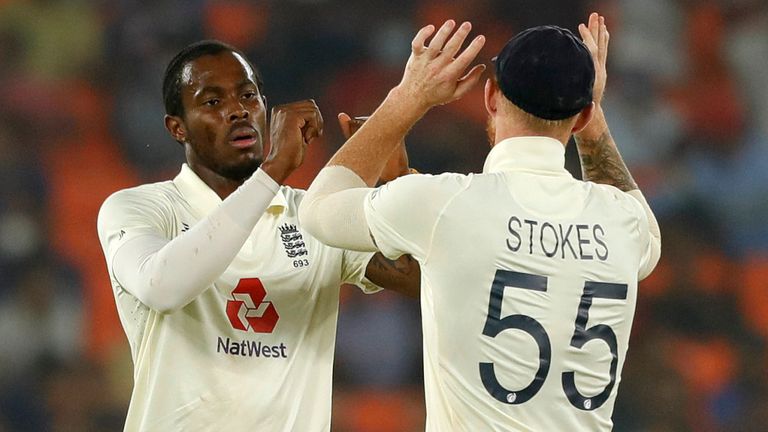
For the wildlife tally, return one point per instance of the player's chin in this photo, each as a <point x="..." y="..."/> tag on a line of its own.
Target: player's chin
<point x="242" y="169"/>
<point x="247" y="155"/>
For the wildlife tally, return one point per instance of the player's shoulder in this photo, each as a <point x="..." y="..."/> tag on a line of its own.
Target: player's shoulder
<point x="149" y="191"/>
<point x="611" y="197"/>
<point x="429" y="184"/>
<point x="160" y="194"/>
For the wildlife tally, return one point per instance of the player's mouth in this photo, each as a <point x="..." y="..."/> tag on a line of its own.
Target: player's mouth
<point x="243" y="137"/>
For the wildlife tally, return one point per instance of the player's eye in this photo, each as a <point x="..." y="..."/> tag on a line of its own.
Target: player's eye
<point x="211" y="102"/>
<point x="249" y="95"/>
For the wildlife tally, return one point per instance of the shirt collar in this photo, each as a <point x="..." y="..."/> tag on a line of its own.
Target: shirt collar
<point x="203" y="199"/>
<point x="542" y="154"/>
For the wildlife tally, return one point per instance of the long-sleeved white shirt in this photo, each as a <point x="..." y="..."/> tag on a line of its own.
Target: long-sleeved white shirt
<point x="229" y="306"/>
<point x="528" y="289"/>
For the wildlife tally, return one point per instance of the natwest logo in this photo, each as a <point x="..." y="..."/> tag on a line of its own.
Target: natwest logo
<point x="248" y="310"/>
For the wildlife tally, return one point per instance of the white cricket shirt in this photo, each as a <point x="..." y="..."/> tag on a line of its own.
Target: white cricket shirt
<point x="255" y="350"/>
<point x="529" y="282"/>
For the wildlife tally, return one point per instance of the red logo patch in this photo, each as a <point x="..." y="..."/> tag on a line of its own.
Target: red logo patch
<point x="248" y="310"/>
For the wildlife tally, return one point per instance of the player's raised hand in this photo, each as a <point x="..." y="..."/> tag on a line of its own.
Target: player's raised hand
<point x="292" y="127"/>
<point x="435" y="72"/>
<point x="595" y="35"/>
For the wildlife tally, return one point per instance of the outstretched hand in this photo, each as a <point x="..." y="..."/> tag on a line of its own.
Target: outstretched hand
<point x="434" y="74"/>
<point x="595" y="36"/>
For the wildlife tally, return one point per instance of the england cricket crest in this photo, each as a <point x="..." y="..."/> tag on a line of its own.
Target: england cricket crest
<point x="293" y="241"/>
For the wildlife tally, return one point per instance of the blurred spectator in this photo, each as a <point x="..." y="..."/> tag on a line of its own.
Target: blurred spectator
<point x="90" y="408"/>
<point x="142" y="41"/>
<point x="393" y="323"/>
<point x="716" y="175"/>
<point x="722" y="151"/>
<point x="646" y="39"/>
<point x="746" y="43"/>
<point x="428" y="149"/>
<point x="22" y="192"/>
<point x="41" y="317"/>
<point x="646" y="130"/>
<point x="59" y="39"/>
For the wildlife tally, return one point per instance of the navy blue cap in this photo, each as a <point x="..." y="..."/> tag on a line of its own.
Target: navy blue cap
<point x="547" y="72"/>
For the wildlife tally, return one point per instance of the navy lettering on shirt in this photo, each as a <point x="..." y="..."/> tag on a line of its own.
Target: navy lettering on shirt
<point x="577" y="241"/>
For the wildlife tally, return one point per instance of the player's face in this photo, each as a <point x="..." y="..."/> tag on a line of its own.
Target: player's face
<point x="224" y="115"/>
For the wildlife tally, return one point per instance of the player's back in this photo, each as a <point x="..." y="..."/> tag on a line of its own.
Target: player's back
<point x="529" y="290"/>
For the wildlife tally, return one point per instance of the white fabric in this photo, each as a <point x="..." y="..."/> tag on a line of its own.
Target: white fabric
<point x="167" y="274"/>
<point x="333" y="209"/>
<point x="204" y="366"/>
<point x="653" y="252"/>
<point x="525" y="214"/>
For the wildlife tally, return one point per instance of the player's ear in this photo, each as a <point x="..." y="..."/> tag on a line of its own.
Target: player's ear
<point x="175" y="127"/>
<point x="584" y="118"/>
<point x="490" y="95"/>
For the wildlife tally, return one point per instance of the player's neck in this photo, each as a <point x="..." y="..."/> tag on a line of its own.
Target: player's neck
<point x="506" y="130"/>
<point x="510" y="121"/>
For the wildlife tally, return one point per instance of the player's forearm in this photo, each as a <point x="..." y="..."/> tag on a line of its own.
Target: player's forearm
<point x="332" y="210"/>
<point x="368" y="150"/>
<point x="602" y="163"/>
<point x="396" y="166"/>
<point x="167" y="275"/>
<point x="600" y="158"/>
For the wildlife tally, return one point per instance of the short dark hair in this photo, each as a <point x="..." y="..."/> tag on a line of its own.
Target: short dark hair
<point x="172" y="77"/>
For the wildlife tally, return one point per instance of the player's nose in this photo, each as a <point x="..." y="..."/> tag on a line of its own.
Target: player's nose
<point x="238" y="112"/>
